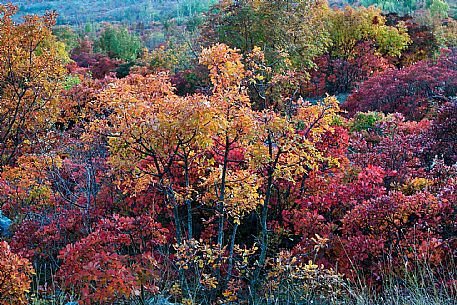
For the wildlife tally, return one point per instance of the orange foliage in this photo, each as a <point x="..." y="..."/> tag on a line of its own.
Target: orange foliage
<point x="15" y="275"/>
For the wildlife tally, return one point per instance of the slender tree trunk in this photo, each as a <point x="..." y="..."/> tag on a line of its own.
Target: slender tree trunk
<point x="189" y="219"/>
<point x="142" y="296"/>
<point x="182" y="276"/>
<point x="220" y="233"/>
<point x="177" y="224"/>
<point x="264" y="213"/>
<point x="171" y="198"/>
<point x="264" y="228"/>
<point x="232" y="246"/>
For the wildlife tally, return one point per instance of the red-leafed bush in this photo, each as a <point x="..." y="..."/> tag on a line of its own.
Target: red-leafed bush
<point x="366" y="230"/>
<point x="392" y="143"/>
<point x="396" y="228"/>
<point x="116" y="261"/>
<point x="443" y="135"/>
<point x="98" y="64"/>
<point x="335" y="75"/>
<point x="413" y="91"/>
<point x="389" y="206"/>
<point x="42" y="236"/>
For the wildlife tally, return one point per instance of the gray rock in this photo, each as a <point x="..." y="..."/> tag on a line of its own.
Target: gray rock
<point x="160" y="300"/>
<point x="5" y="224"/>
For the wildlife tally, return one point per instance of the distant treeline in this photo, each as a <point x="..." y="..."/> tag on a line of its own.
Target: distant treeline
<point x="79" y="12"/>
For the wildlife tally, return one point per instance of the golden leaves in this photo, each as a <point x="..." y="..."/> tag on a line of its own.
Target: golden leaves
<point x="152" y="129"/>
<point x="14" y="276"/>
<point x="350" y="26"/>
<point x="31" y="77"/>
<point x="242" y="194"/>
<point x="225" y="66"/>
<point x="287" y="145"/>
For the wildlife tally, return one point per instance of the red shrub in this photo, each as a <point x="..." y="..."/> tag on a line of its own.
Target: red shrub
<point x="412" y="91"/>
<point x="341" y="75"/>
<point x="117" y="260"/>
<point x="98" y="64"/>
<point x="443" y="135"/>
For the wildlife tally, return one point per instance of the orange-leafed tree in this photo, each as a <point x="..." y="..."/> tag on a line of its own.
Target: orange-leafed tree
<point x="14" y="276"/>
<point x="258" y="149"/>
<point x="156" y="137"/>
<point x="234" y="117"/>
<point x="157" y="143"/>
<point x="31" y="73"/>
<point x="212" y="162"/>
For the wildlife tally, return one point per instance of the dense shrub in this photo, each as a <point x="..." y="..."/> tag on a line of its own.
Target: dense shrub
<point x="15" y="273"/>
<point x="414" y="91"/>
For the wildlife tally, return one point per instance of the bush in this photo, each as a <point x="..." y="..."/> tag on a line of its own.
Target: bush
<point x="414" y="91"/>
<point x="14" y="276"/>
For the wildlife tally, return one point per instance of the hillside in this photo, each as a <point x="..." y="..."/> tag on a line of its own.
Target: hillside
<point x="77" y="12"/>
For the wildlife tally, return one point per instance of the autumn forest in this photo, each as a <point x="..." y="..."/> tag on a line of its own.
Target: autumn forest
<point x="229" y="152"/>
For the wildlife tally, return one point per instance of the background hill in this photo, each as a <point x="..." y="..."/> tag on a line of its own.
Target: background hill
<point x="78" y="12"/>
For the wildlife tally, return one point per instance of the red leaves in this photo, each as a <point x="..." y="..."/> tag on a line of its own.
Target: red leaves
<point x="412" y="91"/>
<point x="341" y="75"/>
<point x="391" y="204"/>
<point x="98" y="64"/>
<point x="404" y="224"/>
<point x="113" y="261"/>
<point x="442" y="136"/>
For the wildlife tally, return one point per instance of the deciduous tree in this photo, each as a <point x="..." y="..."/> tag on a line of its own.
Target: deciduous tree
<point x="31" y="74"/>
